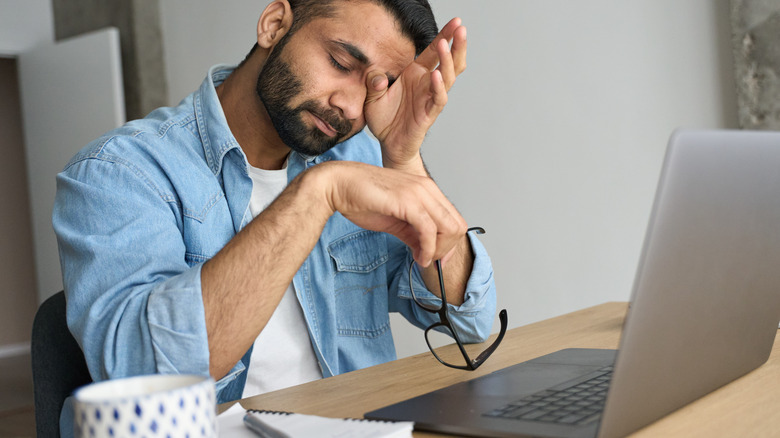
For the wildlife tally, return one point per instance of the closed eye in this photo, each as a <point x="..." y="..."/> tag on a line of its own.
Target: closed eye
<point x="338" y="66"/>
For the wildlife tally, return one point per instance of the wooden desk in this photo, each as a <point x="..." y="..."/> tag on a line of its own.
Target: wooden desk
<point x="749" y="406"/>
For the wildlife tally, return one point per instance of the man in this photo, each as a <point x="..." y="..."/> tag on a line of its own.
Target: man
<point x="253" y="226"/>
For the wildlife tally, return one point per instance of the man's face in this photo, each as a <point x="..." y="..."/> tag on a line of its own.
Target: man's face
<point x="313" y="84"/>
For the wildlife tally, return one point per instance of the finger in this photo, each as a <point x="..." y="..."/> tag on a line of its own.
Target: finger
<point x="376" y="86"/>
<point x="429" y="58"/>
<point x="450" y="235"/>
<point x="438" y="100"/>
<point x="444" y="244"/>
<point x="460" y="235"/>
<point x="427" y="237"/>
<point x="450" y="225"/>
<point x="446" y="64"/>
<point x="459" y="45"/>
<point x="432" y="218"/>
<point x="408" y="235"/>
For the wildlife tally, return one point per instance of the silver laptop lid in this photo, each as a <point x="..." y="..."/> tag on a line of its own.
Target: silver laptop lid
<point x="706" y="299"/>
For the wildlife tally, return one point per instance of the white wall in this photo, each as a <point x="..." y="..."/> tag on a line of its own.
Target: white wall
<point x="553" y="137"/>
<point x="24" y="24"/>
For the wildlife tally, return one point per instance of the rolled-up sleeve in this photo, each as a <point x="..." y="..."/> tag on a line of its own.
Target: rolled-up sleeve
<point x="133" y="302"/>
<point x="473" y="318"/>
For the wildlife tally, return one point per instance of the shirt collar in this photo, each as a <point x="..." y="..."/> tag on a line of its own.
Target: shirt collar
<point x="212" y="125"/>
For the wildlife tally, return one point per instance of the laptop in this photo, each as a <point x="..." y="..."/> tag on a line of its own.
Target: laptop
<point x="704" y="310"/>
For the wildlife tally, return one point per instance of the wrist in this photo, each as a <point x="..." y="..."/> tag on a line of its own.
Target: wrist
<point x="413" y="166"/>
<point x="319" y="183"/>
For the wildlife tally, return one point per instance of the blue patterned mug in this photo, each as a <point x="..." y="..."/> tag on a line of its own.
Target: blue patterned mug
<point x="163" y="405"/>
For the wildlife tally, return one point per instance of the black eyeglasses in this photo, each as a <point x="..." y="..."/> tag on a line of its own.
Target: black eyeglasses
<point x="444" y="325"/>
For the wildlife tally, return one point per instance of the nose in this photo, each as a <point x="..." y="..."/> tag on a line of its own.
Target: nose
<point x="349" y="99"/>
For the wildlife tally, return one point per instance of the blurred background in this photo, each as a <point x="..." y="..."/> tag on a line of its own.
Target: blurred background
<point x="552" y="139"/>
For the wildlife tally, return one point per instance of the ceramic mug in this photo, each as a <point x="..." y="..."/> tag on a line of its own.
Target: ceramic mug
<point x="162" y="405"/>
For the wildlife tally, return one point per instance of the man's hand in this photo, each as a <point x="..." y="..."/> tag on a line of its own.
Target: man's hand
<point x="408" y="206"/>
<point x="400" y="116"/>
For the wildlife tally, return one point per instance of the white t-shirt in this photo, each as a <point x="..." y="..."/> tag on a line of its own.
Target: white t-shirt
<point x="282" y="355"/>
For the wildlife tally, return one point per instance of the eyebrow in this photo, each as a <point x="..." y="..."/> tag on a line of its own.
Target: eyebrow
<point x="354" y="52"/>
<point x="361" y="57"/>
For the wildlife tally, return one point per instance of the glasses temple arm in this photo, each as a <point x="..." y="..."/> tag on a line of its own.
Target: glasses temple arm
<point x="485" y="354"/>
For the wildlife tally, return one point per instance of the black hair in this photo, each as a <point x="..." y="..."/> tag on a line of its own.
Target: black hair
<point x="415" y="18"/>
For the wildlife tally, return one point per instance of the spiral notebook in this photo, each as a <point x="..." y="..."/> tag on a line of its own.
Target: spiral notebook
<point x="274" y="424"/>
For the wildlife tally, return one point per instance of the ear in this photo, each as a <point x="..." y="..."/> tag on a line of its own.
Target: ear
<point x="274" y="23"/>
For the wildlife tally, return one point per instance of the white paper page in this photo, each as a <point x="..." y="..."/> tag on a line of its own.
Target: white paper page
<point x="231" y="423"/>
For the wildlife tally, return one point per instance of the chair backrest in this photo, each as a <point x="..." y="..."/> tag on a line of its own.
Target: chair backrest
<point x="58" y="364"/>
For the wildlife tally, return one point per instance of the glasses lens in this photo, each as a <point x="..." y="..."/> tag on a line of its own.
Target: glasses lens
<point x="443" y="346"/>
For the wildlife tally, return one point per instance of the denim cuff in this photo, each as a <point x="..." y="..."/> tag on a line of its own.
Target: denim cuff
<point x="177" y="324"/>
<point x="477" y="287"/>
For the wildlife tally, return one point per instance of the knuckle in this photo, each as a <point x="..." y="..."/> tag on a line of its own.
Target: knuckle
<point x="454" y="227"/>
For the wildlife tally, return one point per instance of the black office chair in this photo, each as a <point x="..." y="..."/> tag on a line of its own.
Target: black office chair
<point x="58" y="365"/>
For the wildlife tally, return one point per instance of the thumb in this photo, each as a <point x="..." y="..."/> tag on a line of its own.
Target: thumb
<point x="376" y="86"/>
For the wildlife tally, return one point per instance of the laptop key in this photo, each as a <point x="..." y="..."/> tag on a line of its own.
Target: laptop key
<point x="589" y="419"/>
<point x="571" y="419"/>
<point x="533" y="415"/>
<point x="511" y="413"/>
<point x="519" y="412"/>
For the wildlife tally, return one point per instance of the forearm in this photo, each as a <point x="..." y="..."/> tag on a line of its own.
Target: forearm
<point x="245" y="281"/>
<point x="243" y="284"/>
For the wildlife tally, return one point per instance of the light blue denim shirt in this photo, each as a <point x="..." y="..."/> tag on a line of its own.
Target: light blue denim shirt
<point x="139" y="210"/>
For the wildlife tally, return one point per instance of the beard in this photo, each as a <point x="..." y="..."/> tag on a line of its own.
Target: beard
<point x="276" y="86"/>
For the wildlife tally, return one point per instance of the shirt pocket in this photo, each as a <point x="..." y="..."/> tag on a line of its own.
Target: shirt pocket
<point x="360" y="284"/>
<point x="207" y="227"/>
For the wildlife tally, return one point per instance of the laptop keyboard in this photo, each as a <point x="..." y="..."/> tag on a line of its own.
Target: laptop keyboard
<point x="576" y="402"/>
